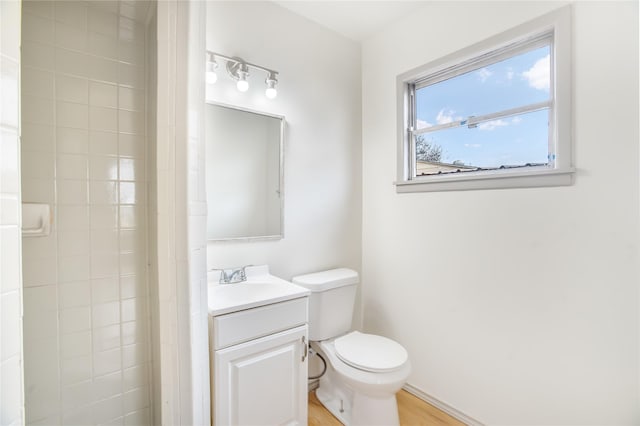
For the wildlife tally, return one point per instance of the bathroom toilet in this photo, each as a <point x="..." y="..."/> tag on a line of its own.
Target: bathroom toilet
<point x="364" y="371"/>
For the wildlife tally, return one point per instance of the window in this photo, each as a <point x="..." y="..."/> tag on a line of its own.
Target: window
<point x="495" y="115"/>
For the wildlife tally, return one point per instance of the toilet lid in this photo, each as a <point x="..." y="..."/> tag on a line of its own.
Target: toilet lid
<point x="370" y="352"/>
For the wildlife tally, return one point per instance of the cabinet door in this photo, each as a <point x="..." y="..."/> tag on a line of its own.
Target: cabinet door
<point x="263" y="382"/>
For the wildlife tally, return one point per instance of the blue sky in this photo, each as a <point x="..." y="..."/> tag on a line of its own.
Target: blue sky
<point x="514" y="82"/>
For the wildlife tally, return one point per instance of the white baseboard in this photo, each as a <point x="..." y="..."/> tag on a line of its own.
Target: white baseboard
<point x="453" y="412"/>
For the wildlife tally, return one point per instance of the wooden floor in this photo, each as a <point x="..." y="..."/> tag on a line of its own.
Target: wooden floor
<point x="413" y="412"/>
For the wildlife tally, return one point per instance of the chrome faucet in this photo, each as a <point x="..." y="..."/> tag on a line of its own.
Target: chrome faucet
<point x="233" y="275"/>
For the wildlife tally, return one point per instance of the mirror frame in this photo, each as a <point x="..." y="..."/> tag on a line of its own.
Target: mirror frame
<point x="279" y="236"/>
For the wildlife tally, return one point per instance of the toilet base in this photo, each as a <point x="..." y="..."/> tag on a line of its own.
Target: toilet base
<point x="353" y="408"/>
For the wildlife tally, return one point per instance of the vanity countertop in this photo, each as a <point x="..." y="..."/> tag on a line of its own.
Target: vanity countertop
<point x="261" y="288"/>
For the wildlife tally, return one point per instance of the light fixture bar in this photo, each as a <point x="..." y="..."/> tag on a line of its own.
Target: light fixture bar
<point x="213" y="55"/>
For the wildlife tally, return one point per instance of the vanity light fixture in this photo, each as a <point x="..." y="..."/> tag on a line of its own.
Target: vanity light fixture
<point x="238" y="69"/>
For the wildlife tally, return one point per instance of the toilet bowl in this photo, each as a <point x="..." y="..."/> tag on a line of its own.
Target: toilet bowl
<point x="364" y="371"/>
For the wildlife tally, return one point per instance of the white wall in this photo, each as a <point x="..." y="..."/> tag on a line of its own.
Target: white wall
<point x="11" y="361"/>
<point x="86" y="339"/>
<point x="516" y="306"/>
<point x="319" y="94"/>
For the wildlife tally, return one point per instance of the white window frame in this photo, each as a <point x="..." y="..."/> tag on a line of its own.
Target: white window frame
<point x="553" y="28"/>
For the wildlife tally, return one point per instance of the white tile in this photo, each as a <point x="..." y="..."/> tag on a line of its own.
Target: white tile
<point x="132" y="52"/>
<point x="103" y="69"/>
<point x="133" y="332"/>
<point x="131" y="75"/>
<point x="105" y="314"/>
<point x="103" y="143"/>
<point x="105" y="338"/>
<point x="104" y="217"/>
<point x="73" y="268"/>
<point x="131" y="263"/>
<point x="74" y="320"/>
<point x="105" y="290"/>
<point x="39" y="300"/>
<point x="72" y="62"/>
<point x="104" y="265"/>
<point x="72" y="141"/>
<point x="130" y="217"/>
<point x="37" y="55"/>
<point x="103" y="192"/>
<point x="78" y="416"/>
<point x="10" y="260"/>
<point x="39" y="247"/>
<point x="40" y="323"/>
<point x="107" y="410"/>
<point x="106" y="362"/>
<point x="103" y="119"/>
<point x="37" y="28"/>
<point x="138" y="418"/>
<point x="72" y="89"/>
<point x="41" y="271"/>
<point x="132" y="240"/>
<point x="10" y="178"/>
<point x="107" y="386"/>
<point x="38" y="137"/>
<point x="103" y="94"/>
<point x="131" y="122"/>
<point x="130" y="193"/>
<point x="76" y="395"/>
<point x="132" y="145"/>
<point x="11" y="339"/>
<point x="74" y="370"/>
<point x="41" y="401"/>
<point x="119" y="421"/>
<point x="40" y="165"/>
<point x="104" y="45"/>
<point x="133" y="355"/>
<point x="42" y="8"/>
<point x="104" y="241"/>
<point x="136" y="377"/>
<point x="74" y="294"/>
<point x="71" y="37"/>
<point x="73" y="242"/>
<point x="41" y="371"/>
<point x="103" y="168"/>
<point x="136" y="399"/>
<point x="75" y="344"/>
<point x="9" y="212"/>
<point x="132" y="286"/>
<point x="73" y="217"/>
<point x="71" y="13"/>
<point x="131" y="99"/>
<point x="37" y="110"/>
<point x="71" y="191"/>
<point x="37" y="190"/>
<point x="37" y="82"/>
<point x="71" y="166"/>
<point x="72" y="115"/>
<point x="103" y="22"/>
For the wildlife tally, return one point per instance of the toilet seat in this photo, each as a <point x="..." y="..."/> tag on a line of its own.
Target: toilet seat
<point x="370" y="352"/>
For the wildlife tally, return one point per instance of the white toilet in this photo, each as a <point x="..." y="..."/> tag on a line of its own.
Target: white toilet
<point x="364" y="371"/>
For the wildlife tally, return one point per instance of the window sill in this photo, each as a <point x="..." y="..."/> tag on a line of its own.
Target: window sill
<point x="495" y="179"/>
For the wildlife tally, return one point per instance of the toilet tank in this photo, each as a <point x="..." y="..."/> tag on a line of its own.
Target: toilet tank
<point x="333" y="295"/>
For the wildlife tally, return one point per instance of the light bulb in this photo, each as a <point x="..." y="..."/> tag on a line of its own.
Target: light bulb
<point x="242" y="85"/>
<point x="271" y="93"/>
<point x="271" y="81"/>
<point x="211" y="76"/>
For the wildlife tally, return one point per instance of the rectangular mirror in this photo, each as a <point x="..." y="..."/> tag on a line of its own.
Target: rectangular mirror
<point x="244" y="173"/>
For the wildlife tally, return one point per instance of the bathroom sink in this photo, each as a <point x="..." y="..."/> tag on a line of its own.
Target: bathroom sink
<point x="261" y="288"/>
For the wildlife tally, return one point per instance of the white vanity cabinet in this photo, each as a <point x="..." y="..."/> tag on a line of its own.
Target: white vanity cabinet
<point x="259" y="365"/>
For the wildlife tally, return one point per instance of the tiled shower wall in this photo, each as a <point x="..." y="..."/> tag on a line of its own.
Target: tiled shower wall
<point x="11" y="395"/>
<point x="86" y="331"/>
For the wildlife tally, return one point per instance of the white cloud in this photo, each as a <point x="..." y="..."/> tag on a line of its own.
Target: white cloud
<point x="493" y="124"/>
<point x="516" y="120"/>
<point x="445" y="116"/>
<point x="538" y="74"/>
<point x="421" y="124"/>
<point x="472" y="145"/>
<point x="483" y="74"/>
